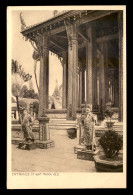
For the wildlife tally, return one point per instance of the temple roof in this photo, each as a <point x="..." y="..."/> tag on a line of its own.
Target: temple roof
<point x="54" y="19"/>
<point x="45" y="21"/>
<point x="104" y="22"/>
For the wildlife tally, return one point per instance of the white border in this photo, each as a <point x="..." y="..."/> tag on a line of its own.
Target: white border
<point x="64" y="180"/>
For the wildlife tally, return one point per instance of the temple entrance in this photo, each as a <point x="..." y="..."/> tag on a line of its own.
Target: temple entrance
<point x="90" y="52"/>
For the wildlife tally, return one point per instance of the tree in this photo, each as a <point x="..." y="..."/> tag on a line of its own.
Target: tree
<point x="24" y="91"/>
<point x="36" y="96"/>
<point x="36" y="57"/>
<point x="27" y="93"/>
<point x="22" y="104"/>
<point x="18" y="78"/>
<point x="36" y="107"/>
<point x="30" y="85"/>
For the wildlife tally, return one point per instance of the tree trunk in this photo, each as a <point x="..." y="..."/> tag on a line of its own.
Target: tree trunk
<point x="18" y="109"/>
<point x="35" y="74"/>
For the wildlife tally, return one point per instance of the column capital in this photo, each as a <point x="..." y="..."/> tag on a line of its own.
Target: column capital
<point x="71" y="29"/>
<point x="41" y="43"/>
<point x="63" y="53"/>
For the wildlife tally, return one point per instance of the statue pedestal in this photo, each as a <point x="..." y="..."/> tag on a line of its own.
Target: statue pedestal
<point x="86" y="154"/>
<point x="27" y="146"/>
<point x="83" y="153"/>
<point x="16" y="141"/>
<point x="44" y="141"/>
<point x="79" y="148"/>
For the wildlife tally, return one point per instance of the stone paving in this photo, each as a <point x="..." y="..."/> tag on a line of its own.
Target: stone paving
<point x="60" y="158"/>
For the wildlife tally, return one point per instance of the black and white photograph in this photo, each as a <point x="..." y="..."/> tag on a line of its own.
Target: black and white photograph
<point x="66" y="97"/>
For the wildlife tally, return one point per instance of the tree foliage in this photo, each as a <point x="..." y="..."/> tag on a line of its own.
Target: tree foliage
<point x="111" y="143"/>
<point x="27" y="93"/>
<point x="22" y="104"/>
<point x="16" y="88"/>
<point x="36" y="107"/>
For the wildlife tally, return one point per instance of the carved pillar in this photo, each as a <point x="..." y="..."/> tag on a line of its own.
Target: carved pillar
<point x="77" y="85"/>
<point x="64" y="82"/>
<point x="72" y="69"/>
<point x="120" y="28"/>
<point x="89" y="67"/>
<point x="83" y="86"/>
<point x="94" y="68"/>
<point x="47" y="81"/>
<point x="106" y="68"/>
<point x="66" y="79"/>
<point x="43" y="89"/>
<point x="101" y="76"/>
<point x="80" y="87"/>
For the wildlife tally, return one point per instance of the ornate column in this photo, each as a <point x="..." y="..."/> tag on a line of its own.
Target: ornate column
<point x="89" y="67"/>
<point x="106" y="69"/>
<point x="94" y="68"/>
<point x="72" y="69"/>
<point x="47" y="81"/>
<point x="83" y="85"/>
<point x="77" y="85"/>
<point x="44" y="64"/>
<point x="44" y="138"/>
<point x="120" y="28"/>
<point x="80" y="86"/>
<point x="101" y="76"/>
<point x="66" y="79"/>
<point x="64" y="82"/>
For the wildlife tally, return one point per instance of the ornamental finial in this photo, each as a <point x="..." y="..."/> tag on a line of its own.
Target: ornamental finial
<point x="23" y="25"/>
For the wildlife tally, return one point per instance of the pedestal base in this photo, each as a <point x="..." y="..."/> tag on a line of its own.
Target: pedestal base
<point x="104" y="164"/>
<point x="79" y="148"/>
<point x="16" y="141"/>
<point x="86" y="154"/>
<point x="44" y="144"/>
<point x="27" y="146"/>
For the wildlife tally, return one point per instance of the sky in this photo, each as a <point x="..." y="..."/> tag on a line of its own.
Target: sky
<point x="22" y="50"/>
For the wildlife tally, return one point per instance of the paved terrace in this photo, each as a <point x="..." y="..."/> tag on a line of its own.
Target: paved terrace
<point x="60" y="158"/>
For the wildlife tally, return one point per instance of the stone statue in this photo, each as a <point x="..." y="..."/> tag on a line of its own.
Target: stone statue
<point x="89" y="130"/>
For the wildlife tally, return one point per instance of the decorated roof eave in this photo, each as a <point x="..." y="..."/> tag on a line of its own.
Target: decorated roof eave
<point x="53" y="21"/>
<point x="90" y="15"/>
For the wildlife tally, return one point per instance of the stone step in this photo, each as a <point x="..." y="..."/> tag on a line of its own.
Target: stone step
<point x="54" y="121"/>
<point x="61" y="128"/>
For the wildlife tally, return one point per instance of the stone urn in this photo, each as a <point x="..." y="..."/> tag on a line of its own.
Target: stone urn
<point x="110" y="159"/>
<point x="104" y="164"/>
<point x="72" y="133"/>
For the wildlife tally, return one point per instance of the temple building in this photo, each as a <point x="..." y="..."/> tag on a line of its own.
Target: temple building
<point x="90" y="42"/>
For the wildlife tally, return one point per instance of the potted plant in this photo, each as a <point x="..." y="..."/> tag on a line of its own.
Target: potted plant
<point x="108" y="114"/>
<point x="111" y="143"/>
<point x="110" y="160"/>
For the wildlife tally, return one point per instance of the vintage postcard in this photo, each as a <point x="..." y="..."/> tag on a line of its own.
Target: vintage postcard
<point x="66" y="68"/>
